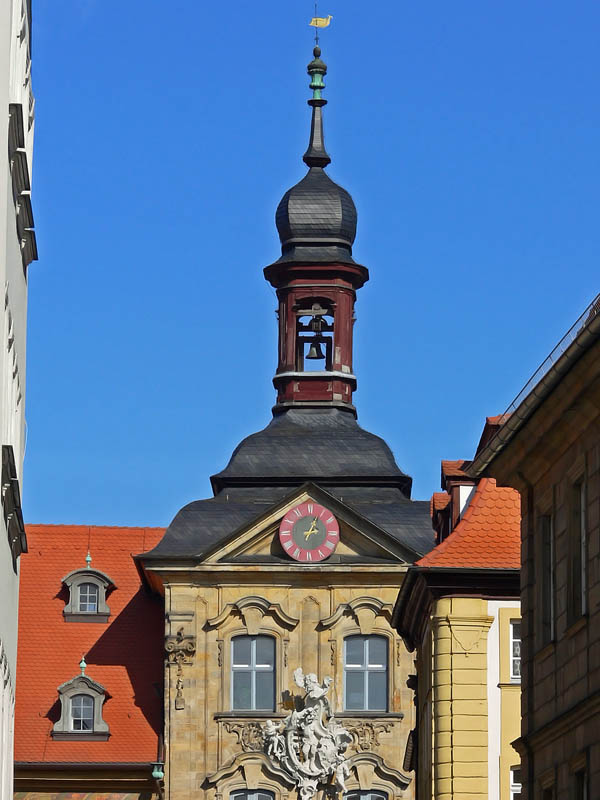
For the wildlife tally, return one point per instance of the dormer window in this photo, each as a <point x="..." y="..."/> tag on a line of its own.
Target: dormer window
<point x="87" y="595"/>
<point x="81" y="701"/>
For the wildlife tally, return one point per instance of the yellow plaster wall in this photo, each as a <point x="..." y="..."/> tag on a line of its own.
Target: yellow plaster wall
<point x="459" y="677"/>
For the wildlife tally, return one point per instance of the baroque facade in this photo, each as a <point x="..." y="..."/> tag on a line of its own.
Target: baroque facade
<point x="17" y="250"/>
<point x="459" y="609"/>
<point x="548" y="448"/>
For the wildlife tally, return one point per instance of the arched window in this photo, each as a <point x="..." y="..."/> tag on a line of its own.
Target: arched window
<point x="253" y="673"/>
<point x="82" y="712"/>
<point x="88" y="597"/>
<point x="365" y="673"/>
<point x="256" y="795"/>
<point x="365" y="796"/>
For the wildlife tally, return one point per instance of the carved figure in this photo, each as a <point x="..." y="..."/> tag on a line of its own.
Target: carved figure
<point x="274" y="741"/>
<point x="312" y="744"/>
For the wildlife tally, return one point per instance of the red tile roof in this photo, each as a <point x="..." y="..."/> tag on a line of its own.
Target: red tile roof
<point x="455" y="469"/>
<point x="488" y="535"/>
<point x="125" y="654"/>
<point x="439" y="501"/>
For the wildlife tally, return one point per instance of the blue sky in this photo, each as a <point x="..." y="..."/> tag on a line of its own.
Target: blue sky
<point x="166" y="133"/>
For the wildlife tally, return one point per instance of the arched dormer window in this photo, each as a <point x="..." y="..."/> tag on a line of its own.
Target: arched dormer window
<point x="87" y="595"/>
<point x="81" y="701"/>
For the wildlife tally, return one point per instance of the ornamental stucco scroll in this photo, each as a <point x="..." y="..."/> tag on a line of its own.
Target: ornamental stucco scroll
<point x="309" y="744"/>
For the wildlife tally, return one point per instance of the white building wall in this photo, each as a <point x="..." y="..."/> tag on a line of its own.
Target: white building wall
<point x="17" y="249"/>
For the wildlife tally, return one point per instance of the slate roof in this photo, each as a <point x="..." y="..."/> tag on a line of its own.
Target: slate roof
<point x="203" y="524"/>
<point x="125" y="654"/>
<point x="323" y="446"/>
<point x="488" y="535"/>
<point x="316" y="220"/>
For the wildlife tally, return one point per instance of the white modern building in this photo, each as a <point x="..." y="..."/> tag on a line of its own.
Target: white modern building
<point x="17" y="250"/>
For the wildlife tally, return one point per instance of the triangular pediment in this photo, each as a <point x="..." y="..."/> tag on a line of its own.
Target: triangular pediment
<point x="360" y="541"/>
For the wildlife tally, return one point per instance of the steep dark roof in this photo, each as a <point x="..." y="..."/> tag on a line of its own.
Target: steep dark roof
<point x="203" y="524"/>
<point x="326" y="446"/>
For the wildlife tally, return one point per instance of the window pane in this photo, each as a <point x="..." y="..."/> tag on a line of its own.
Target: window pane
<point x="377" y="691"/>
<point x="377" y="651"/>
<point x="242" y="648"/>
<point x="242" y="690"/>
<point x="82" y="712"/>
<point x="88" y="597"/>
<point x="265" y="651"/>
<point x="265" y="691"/>
<point x="355" y="690"/>
<point x="355" y="651"/>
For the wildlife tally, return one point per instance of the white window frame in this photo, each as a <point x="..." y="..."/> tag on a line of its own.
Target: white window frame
<point x="253" y="668"/>
<point x="257" y="794"/>
<point x="72" y="713"/>
<point x="513" y="676"/>
<point x="87" y="602"/>
<point x="515" y="788"/>
<point x="366" y="669"/>
<point x="368" y="794"/>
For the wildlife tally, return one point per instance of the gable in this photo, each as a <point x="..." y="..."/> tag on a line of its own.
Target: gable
<point x="359" y="539"/>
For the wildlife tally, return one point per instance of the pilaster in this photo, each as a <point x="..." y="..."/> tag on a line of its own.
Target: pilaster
<point x="460" y="630"/>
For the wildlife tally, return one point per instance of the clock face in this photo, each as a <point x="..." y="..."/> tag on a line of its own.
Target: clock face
<point x="309" y="532"/>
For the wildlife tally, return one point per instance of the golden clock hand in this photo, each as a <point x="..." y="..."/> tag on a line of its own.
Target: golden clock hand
<point x="312" y="529"/>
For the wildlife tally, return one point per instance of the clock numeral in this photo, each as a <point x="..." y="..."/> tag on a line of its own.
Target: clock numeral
<point x="286" y="533"/>
<point x="289" y="521"/>
<point x="297" y="512"/>
<point x="330" y="519"/>
<point x="297" y="551"/>
<point x="321" y="554"/>
<point x="321" y="514"/>
<point x="287" y="545"/>
<point x="308" y="555"/>
<point x="328" y="543"/>
<point x="310" y="508"/>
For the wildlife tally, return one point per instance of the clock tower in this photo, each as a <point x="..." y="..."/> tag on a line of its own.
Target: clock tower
<point x="293" y="566"/>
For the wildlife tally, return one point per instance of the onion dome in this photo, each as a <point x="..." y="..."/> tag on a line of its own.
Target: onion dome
<point x="316" y="218"/>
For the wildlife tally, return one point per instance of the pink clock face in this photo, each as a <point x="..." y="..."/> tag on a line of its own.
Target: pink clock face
<point x="309" y="532"/>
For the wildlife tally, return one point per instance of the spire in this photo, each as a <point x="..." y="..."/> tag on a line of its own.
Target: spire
<point x="316" y="155"/>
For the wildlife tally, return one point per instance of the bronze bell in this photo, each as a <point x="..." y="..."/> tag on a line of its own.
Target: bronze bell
<point x="315" y="351"/>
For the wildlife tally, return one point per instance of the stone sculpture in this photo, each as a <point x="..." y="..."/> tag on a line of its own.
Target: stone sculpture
<point x="309" y="744"/>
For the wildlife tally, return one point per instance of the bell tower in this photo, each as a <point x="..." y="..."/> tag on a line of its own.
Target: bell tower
<point x="316" y="278"/>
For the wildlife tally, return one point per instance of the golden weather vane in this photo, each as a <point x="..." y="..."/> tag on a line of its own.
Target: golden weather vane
<point x="319" y="22"/>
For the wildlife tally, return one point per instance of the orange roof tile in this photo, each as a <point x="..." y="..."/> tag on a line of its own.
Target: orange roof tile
<point x="455" y="469"/>
<point x="488" y="535"/>
<point x="439" y="501"/>
<point x="125" y="655"/>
